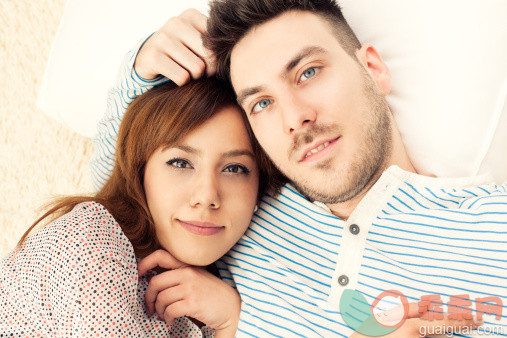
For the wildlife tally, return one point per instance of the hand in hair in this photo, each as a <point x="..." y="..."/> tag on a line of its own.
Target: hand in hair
<point x="190" y="291"/>
<point x="176" y="50"/>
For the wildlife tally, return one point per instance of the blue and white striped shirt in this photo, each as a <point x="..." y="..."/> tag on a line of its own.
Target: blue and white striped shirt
<point x="418" y="235"/>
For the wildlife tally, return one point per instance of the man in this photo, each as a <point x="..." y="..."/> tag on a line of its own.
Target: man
<point x="356" y="215"/>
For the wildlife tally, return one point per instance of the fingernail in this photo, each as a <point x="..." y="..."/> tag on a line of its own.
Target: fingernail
<point x="477" y="321"/>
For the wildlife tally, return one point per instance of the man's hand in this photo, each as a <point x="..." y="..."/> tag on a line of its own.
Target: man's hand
<point x="191" y="291"/>
<point x="176" y="50"/>
<point x="416" y="327"/>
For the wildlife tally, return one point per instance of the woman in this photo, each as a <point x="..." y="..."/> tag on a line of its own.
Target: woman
<point x="185" y="184"/>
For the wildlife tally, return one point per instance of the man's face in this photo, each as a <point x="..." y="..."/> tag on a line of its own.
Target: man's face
<point x="314" y="109"/>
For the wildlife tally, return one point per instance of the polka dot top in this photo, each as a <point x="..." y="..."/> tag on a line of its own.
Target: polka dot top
<point x="77" y="276"/>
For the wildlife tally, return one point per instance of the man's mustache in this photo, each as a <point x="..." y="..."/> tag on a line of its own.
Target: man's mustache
<point x="310" y="133"/>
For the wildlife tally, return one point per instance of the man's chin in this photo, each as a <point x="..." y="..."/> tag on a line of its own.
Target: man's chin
<point x="333" y="197"/>
<point x="315" y="193"/>
<point x="335" y="192"/>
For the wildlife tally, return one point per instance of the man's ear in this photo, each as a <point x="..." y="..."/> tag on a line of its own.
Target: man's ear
<point x="378" y="70"/>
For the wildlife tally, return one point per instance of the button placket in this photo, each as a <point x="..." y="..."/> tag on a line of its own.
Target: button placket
<point x="354" y="235"/>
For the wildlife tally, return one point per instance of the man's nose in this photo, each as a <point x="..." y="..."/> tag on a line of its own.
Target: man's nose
<point x="296" y="114"/>
<point x="205" y="191"/>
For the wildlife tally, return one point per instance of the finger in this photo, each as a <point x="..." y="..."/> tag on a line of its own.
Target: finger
<point x="199" y="22"/>
<point x="159" y="258"/>
<point x="186" y="32"/>
<point x="192" y="39"/>
<point x="172" y="70"/>
<point x="159" y="283"/>
<point x="162" y="64"/>
<point x="195" y="43"/>
<point x="188" y="27"/>
<point x="413" y="310"/>
<point x="184" y="46"/>
<point x="211" y="64"/>
<point x="166" y="298"/>
<point x="183" y="56"/>
<point x="175" y="310"/>
<point x="196" y="19"/>
<point x="190" y="33"/>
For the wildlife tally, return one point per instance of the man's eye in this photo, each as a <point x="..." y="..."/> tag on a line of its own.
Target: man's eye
<point x="261" y="105"/>
<point x="237" y="169"/>
<point x="179" y="163"/>
<point x="309" y="73"/>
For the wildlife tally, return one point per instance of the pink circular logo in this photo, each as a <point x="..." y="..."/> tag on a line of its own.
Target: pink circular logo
<point x="390" y="308"/>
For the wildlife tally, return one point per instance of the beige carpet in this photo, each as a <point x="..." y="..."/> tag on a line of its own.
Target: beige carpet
<point x="39" y="158"/>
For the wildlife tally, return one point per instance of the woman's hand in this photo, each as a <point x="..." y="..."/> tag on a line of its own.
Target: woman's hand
<point x="190" y="291"/>
<point x="176" y="50"/>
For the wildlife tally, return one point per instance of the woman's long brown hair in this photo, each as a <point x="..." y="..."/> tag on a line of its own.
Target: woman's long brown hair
<point x="159" y="117"/>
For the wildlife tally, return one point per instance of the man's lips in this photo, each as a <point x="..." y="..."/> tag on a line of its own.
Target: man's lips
<point x="201" y="228"/>
<point x="317" y="149"/>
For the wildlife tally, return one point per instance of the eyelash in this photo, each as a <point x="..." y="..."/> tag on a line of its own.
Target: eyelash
<point x="176" y="161"/>
<point x="180" y="163"/>
<point x="244" y="170"/>
<point x="257" y="103"/>
<point x="316" y="69"/>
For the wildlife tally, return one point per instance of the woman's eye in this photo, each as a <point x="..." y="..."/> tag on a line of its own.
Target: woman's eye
<point x="262" y="104"/>
<point x="179" y="163"/>
<point x="309" y="73"/>
<point x="237" y="169"/>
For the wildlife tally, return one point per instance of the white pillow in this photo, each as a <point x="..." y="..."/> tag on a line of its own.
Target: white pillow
<point x="448" y="62"/>
<point x="447" y="59"/>
<point x="93" y="38"/>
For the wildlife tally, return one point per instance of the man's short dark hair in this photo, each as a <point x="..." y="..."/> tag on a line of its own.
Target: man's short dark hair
<point x="231" y="20"/>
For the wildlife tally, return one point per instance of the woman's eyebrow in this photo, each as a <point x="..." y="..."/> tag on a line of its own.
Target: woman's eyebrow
<point x="198" y="152"/>
<point x="238" y="152"/>
<point x="184" y="147"/>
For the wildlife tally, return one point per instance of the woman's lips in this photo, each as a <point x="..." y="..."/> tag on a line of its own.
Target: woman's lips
<point x="201" y="228"/>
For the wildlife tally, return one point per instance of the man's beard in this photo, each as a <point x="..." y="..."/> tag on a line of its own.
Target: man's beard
<point x="366" y="168"/>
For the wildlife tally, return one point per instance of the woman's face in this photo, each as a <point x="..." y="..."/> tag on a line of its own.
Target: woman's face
<point x="202" y="191"/>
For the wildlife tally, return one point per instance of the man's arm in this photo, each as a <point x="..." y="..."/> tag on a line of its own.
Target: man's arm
<point x="174" y="52"/>
<point x="129" y="86"/>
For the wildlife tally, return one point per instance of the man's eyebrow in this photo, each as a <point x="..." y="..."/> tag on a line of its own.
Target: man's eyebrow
<point x="308" y="51"/>
<point x="246" y="93"/>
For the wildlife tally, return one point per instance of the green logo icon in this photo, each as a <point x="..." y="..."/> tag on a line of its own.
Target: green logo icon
<point x="387" y="313"/>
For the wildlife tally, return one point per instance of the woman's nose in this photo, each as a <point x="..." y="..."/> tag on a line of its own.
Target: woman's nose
<point x="205" y="192"/>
